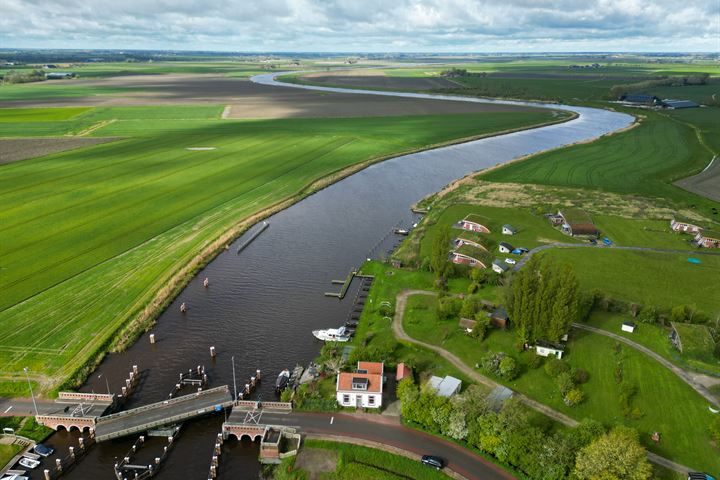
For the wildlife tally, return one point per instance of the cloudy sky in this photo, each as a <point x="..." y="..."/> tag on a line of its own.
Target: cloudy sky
<point x="365" y="25"/>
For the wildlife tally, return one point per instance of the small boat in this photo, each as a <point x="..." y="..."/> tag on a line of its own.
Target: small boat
<point x="282" y="380"/>
<point x="42" y="450"/>
<point x="29" y="463"/>
<point x="183" y="308"/>
<point x="401" y="231"/>
<point x="295" y="376"/>
<point x="310" y="374"/>
<point x="332" y="335"/>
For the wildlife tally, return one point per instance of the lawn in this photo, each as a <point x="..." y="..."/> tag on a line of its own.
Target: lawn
<point x="649" y="278"/>
<point x="7" y="452"/>
<point x="659" y="392"/>
<point x="642" y="161"/>
<point x="654" y="337"/>
<point x="632" y="232"/>
<point x="89" y="236"/>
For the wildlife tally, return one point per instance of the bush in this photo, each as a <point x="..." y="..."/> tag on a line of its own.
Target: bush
<point x="580" y="376"/>
<point x="448" y="307"/>
<point x="508" y="368"/>
<point x="574" y="397"/>
<point x="564" y="382"/>
<point x="482" y="324"/>
<point x="535" y="360"/>
<point x="555" y="367"/>
<point x="491" y="363"/>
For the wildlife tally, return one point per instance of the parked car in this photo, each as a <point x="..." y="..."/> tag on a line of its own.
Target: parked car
<point x="607" y="241"/>
<point x="699" y="476"/>
<point x="593" y="241"/>
<point x="510" y="261"/>
<point x="42" y="450"/>
<point x="519" y="251"/>
<point x="432" y="461"/>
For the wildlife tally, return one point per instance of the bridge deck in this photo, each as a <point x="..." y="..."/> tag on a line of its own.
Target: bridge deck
<point x="161" y="413"/>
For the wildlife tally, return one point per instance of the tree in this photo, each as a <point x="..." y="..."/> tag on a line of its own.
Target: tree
<point x="508" y="368"/>
<point x="574" y="397"/>
<point x="564" y="382"/>
<point x="482" y="324"/>
<point x="615" y="455"/>
<point x="448" y="307"/>
<point x="587" y="431"/>
<point x="439" y="263"/>
<point x="555" y="367"/>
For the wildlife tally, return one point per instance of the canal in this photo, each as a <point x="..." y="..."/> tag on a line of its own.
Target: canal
<point x="262" y="304"/>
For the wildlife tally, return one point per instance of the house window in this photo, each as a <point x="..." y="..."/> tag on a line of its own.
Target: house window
<point x="371" y="400"/>
<point x="346" y="398"/>
<point x="359" y="383"/>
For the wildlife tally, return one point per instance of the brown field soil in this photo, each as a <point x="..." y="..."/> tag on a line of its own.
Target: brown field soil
<point x="706" y="183"/>
<point x="15" y="149"/>
<point x="377" y="79"/>
<point x="249" y="100"/>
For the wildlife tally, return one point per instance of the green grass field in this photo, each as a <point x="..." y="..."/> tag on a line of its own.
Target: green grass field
<point x="642" y="161"/>
<point x="632" y="232"/>
<point x="668" y="405"/>
<point x="80" y="259"/>
<point x="649" y="278"/>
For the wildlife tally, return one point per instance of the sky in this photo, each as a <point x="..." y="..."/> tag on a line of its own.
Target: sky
<point x="480" y="26"/>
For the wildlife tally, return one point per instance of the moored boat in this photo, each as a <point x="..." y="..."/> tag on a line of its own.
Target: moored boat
<point x="332" y="334"/>
<point x="282" y="380"/>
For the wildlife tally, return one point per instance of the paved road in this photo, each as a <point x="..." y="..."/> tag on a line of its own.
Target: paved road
<point x="684" y="375"/>
<point x="527" y="256"/>
<point x="23" y="407"/>
<point x="389" y="431"/>
<point x="472" y="373"/>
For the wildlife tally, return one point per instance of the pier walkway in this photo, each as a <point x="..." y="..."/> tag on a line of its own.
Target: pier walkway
<point x="162" y="413"/>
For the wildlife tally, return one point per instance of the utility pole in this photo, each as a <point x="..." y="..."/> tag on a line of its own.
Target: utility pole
<point x="31" y="392"/>
<point x="234" y="381"/>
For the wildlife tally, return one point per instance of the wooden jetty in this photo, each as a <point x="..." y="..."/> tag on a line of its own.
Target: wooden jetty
<point x="256" y="234"/>
<point x="345" y="285"/>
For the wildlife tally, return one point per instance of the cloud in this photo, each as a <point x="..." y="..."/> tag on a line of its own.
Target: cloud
<point x="365" y="25"/>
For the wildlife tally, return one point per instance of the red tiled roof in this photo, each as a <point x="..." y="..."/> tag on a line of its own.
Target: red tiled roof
<point x="345" y="380"/>
<point x="371" y="367"/>
<point x="402" y="371"/>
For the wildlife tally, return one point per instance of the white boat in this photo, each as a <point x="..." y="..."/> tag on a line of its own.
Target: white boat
<point x="29" y="463"/>
<point x="332" y="335"/>
<point x="282" y="380"/>
<point x="15" y="477"/>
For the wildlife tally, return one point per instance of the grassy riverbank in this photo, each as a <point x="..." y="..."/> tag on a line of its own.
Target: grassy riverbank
<point x="100" y="238"/>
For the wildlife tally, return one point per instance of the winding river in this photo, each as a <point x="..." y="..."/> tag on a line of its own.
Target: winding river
<point x="262" y="304"/>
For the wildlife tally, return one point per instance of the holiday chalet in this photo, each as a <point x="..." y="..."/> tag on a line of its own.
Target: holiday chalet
<point x="474" y="223"/>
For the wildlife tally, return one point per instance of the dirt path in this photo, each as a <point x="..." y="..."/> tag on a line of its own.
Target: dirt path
<point x="476" y="376"/>
<point x="684" y="375"/>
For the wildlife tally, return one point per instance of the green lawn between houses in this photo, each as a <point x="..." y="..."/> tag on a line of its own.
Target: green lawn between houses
<point x="667" y="404"/>
<point x="136" y="210"/>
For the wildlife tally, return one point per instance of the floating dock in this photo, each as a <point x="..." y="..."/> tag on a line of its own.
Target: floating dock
<point x="345" y="285"/>
<point x="257" y="233"/>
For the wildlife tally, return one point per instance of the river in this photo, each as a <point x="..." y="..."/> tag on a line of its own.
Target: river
<point x="262" y="304"/>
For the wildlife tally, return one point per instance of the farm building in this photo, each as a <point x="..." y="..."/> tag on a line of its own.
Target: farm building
<point x="474" y="223"/>
<point x="577" y="222"/>
<point x="499" y="266"/>
<point x="499" y="318"/>
<point x="708" y="239"/>
<point x="361" y="388"/>
<point x="59" y="75"/>
<point x="446" y="386"/>
<point x="474" y="239"/>
<point x="467" y="324"/>
<point x="547" y="349"/>
<point x="693" y="340"/>
<point x="675" y="104"/>
<point x="508" y="229"/>
<point x="470" y="256"/>
<point x="640" y="99"/>
<point x="505" y="247"/>
<point x="684" y="226"/>
<point x="628" y="327"/>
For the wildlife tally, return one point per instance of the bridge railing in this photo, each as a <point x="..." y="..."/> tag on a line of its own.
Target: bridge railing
<point x="87" y="397"/>
<point x="264" y="405"/>
<point x="172" y="401"/>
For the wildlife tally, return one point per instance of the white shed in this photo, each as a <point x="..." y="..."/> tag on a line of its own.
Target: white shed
<point x="628" y="327"/>
<point x="547" y="349"/>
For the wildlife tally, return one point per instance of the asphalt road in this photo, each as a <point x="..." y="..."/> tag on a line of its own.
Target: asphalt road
<point x="388" y="431"/>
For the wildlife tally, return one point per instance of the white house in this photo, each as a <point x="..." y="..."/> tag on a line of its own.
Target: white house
<point x="362" y="388"/>
<point x="505" y="247"/>
<point x="508" y="229"/>
<point x="446" y="386"/>
<point x="500" y="266"/>
<point x="684" y="227"/>
<point x="547" y="349"/>
<point x="628" y="327"/>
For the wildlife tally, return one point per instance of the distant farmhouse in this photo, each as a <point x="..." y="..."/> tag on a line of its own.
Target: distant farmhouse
<point x="59" y="75"/>
<point x="474" y="223"/>
<point x="505" y="247"/>
<point x="508" y="229"/>
<point x="684" y="226"/>
<point x="653" y="101"/>
<point x="577" y="222"/>
<point x="676" y="104"/>
<point x="707" y="239"/>
<point x="499" y="266"/>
